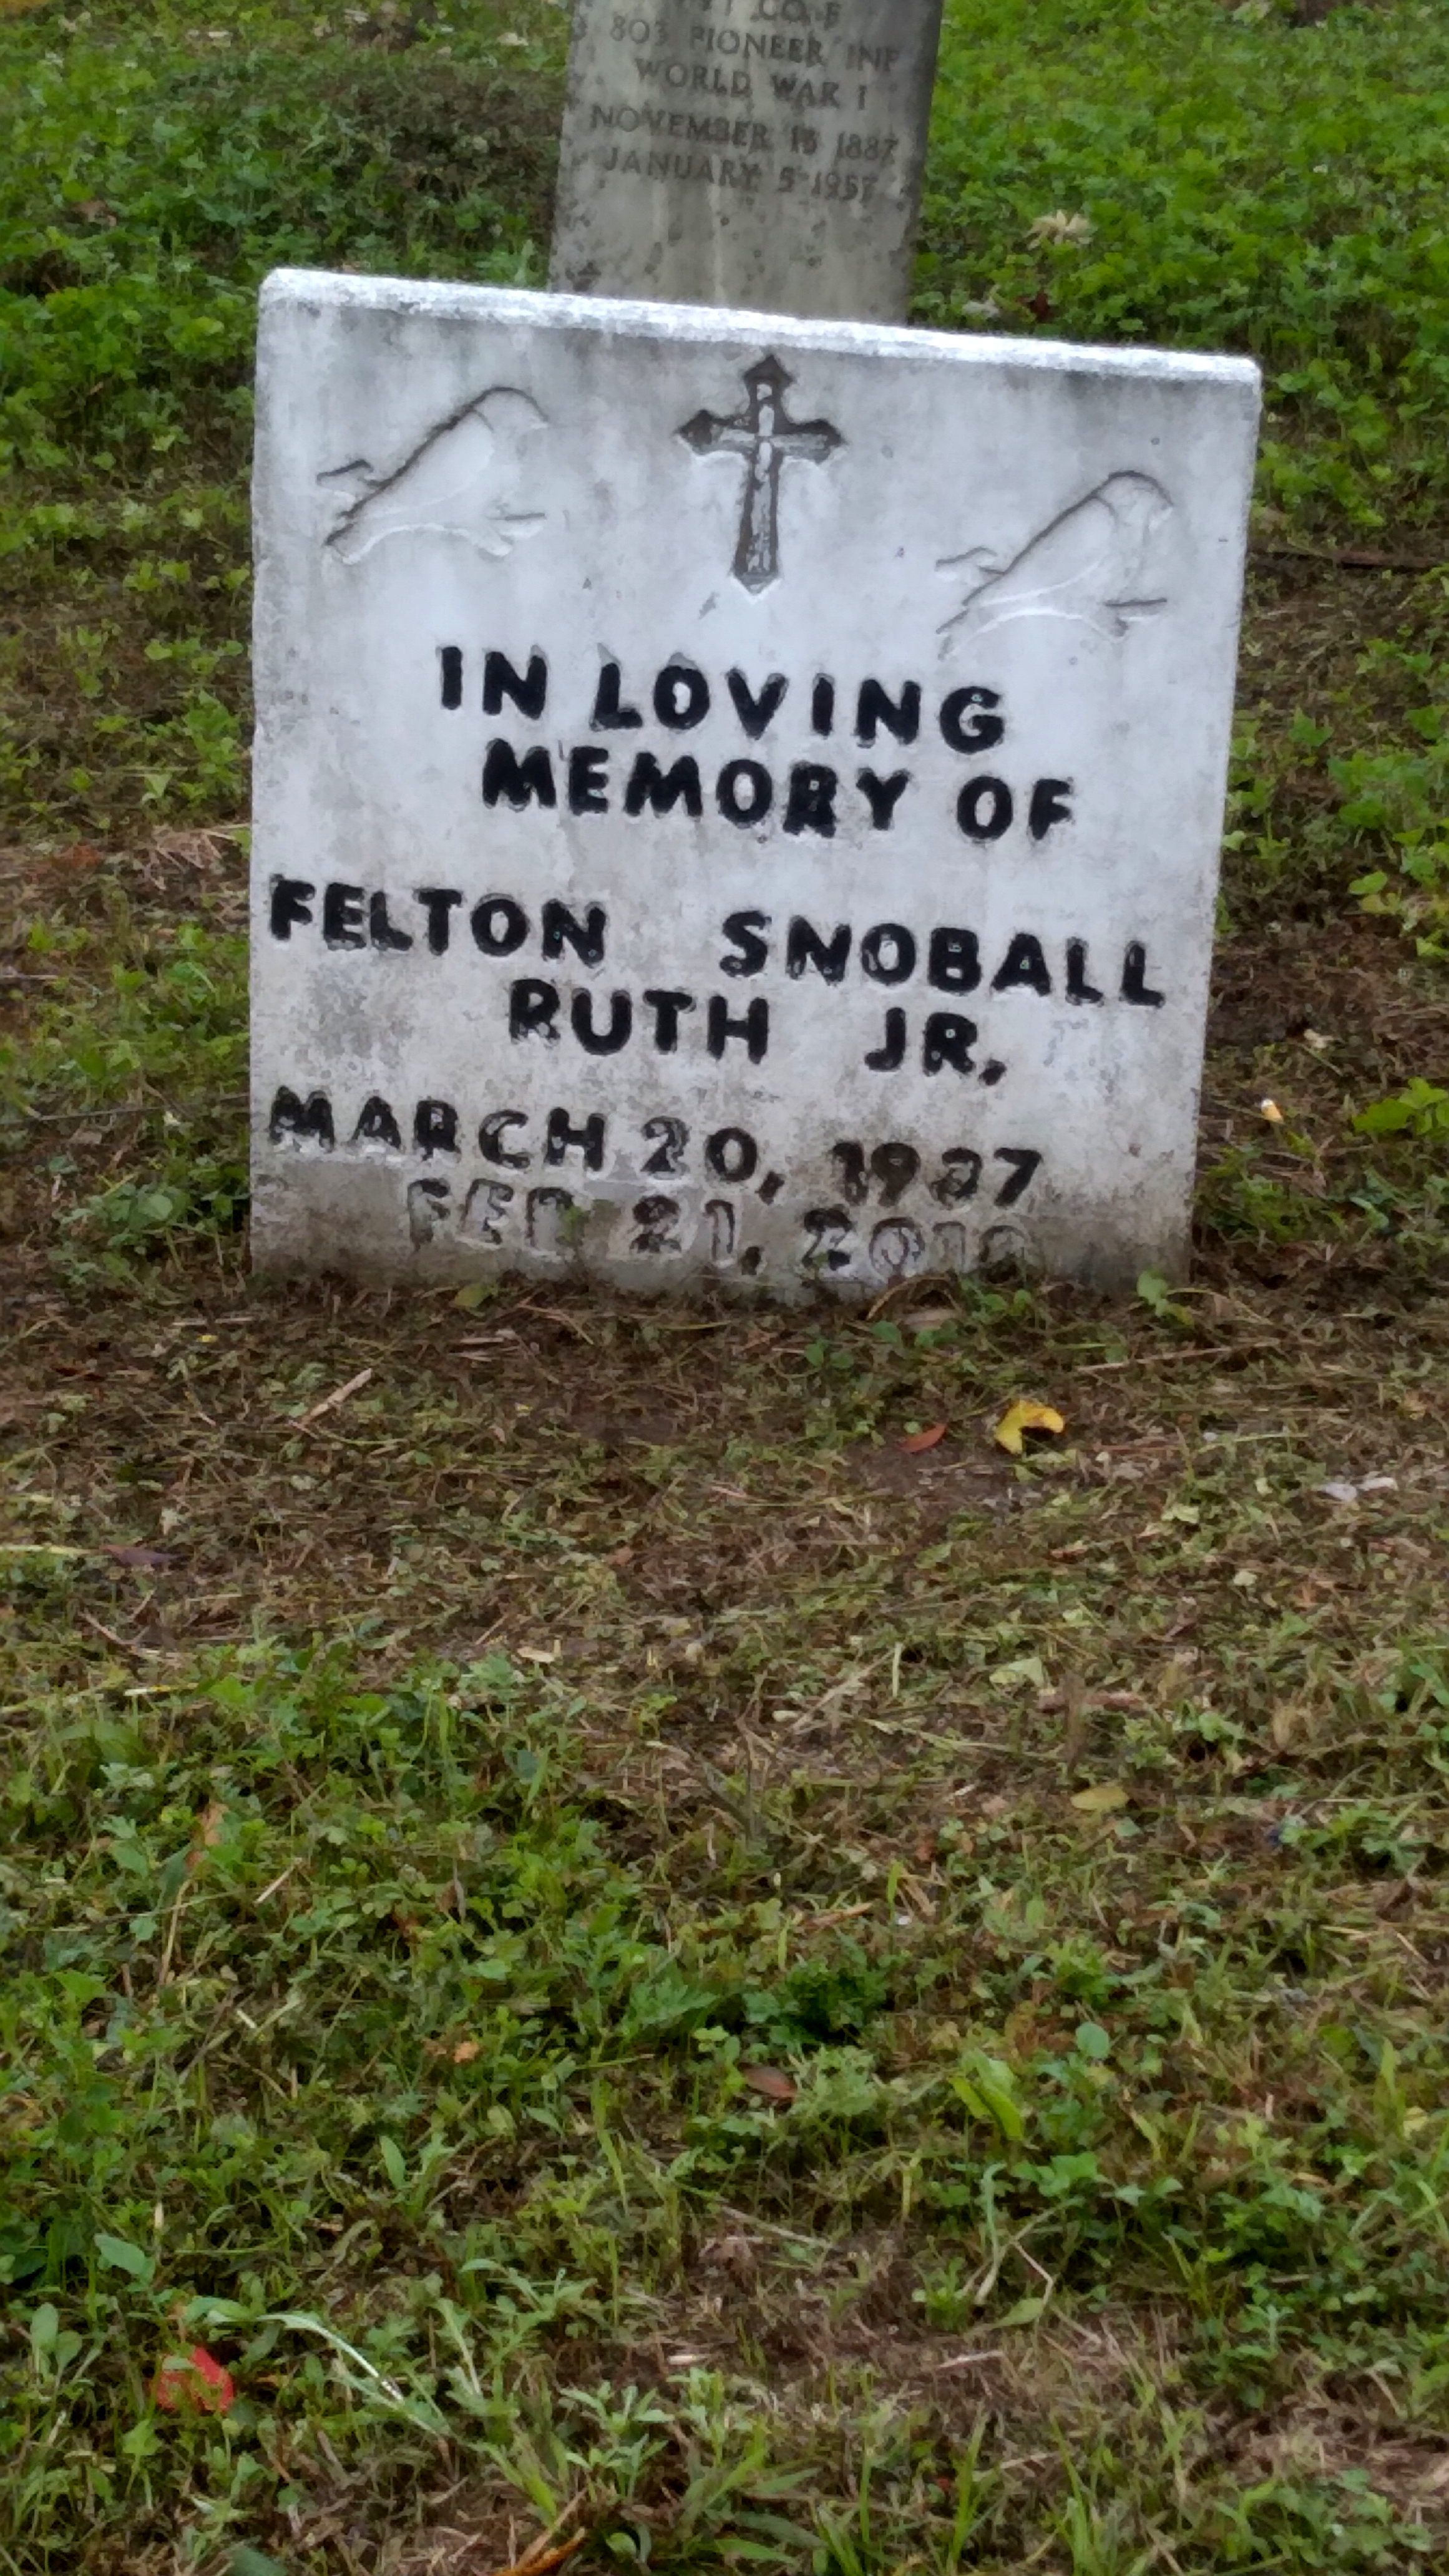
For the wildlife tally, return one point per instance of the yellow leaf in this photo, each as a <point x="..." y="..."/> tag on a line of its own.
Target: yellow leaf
<point x="1103" y="1800"/>
<point x="465" y="2052"/>
<point x="1022" y="1417"/>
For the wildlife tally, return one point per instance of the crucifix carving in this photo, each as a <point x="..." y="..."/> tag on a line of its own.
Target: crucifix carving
<point x="766" y="437"/>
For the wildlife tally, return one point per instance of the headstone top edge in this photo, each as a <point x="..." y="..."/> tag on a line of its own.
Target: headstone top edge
<point x="706" y="325"/>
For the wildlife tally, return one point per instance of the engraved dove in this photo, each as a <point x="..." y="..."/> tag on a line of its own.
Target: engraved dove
<point x="463" y="480"/>
<point x="1090" y="564"/>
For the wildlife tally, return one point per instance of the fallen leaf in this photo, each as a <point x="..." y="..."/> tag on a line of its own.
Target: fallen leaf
<point x="915" y="1441"/>
<point x="1025" y="2312"/>
<point x="194" y="2382"/>
<point x="1102" y="1800"/>
<point x="152" y="1559"/>
<point x="466" y="2051"/>
<point x="1022" y="1417"/>
<point x="775" y="2086"/>
<point x="1339" y="1490"/>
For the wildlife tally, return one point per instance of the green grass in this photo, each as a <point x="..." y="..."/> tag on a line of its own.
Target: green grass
<point x="609" y="1942"/>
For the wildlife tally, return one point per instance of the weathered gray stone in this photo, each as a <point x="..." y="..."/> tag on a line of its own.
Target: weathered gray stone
<point x="764" y="154"/>
<point x="736" y="800"/>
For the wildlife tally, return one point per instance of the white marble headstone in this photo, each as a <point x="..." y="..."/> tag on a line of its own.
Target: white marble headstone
<point x="765" y="153"/>
<point x="736" y="799"/>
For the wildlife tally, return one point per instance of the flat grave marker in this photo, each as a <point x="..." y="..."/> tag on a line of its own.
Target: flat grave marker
<point x="764" y="154"/>
<point x="736" y="800"/>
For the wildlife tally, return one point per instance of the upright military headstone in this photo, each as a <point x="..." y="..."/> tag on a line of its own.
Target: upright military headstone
<point x="736" y="800"/>
<point x="764" y="154"/>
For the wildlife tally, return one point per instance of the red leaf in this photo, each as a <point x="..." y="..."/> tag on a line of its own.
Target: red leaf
<point x="193" y="2382"/>
<point x="769" y="2080"/>
<point x="915" y="1441"/>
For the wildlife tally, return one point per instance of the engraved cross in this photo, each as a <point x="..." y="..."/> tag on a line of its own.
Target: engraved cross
<point x="766" y="437"/>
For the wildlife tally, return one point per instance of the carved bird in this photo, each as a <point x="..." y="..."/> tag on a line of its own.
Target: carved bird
<point x="463" y="480"/>
<point x="1089" y="564"/>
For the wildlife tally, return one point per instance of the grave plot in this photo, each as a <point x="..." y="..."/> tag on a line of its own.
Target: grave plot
<point x="622" y="1939"/>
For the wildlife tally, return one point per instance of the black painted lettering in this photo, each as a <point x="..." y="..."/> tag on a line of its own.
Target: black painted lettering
<point x="755" y="713"/>
<point x="1023" y="964"/>
<point x="435" y="1127"/>
<point x="377" y="1125"/>
<point x="984" y="809"/>
<point x="521" y="781"/>
<point x="829" y="1233"/>
<point x="606" y="1041"/>
<point x="805" y="947"/>
<point x="822" y="705"/>
<point x="954" y="960"/>
<point x="437" y="903"/>
<point x="753" y="1027"/>
<point x="890" y="1055"/>
<point x="895" y="1166"/>
<point x="888" y="953"/>
<point x="500" y="681"/>
<point x="681" y="696"/>
<point x="300" y="1119"/>
<point x="731" y="1154"/>
<point x="585" y="938"/>
<point x="379" y="929"/>
<point x="901" y="717"/>
<point x="291" y="903"/>
<point x="450" y="674"/>
<point x="948" y="1041"/>
<point x="849" y="1160"/>
<point x="1135" y="987"/>
<point x="491" y="1134"/>
<point x="656" y="1219"/>
<point x="561" y="1136"/>
<point x="499" y="925"/>
<point x="609" y="716"/>
<point x="1078" y="988"/>
<point x="959" y="1176"/>
<point x="966" y="723"/>
<point x="532" y="1008"/>
<point x="744" y="791"/>
<point x="662" y="789"/>
<point x="666" y="1007"/>
<point x="811" y="806"/>
<point x="883" y="795"/>
<point x="587" y="765"/>
<point x="1047" y="806"/>
<point x="667" y="1159"/>
<point x="342" y="917"/>
<point x="743" y="930"/>
<point x="1023" y="1163"/>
